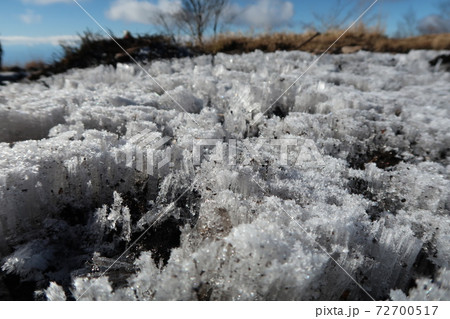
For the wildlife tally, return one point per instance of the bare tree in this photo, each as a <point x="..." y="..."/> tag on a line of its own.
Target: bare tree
<point x="165" y="22"/>
<point x="407" y="27"/>
<point x="444" y="9"/>
<point x="436" y="23"/>
<point x="194" y="17"/>
<point x="341" y="14"/>
<point x="334" y="17"/>
<point x="219" y="7"/>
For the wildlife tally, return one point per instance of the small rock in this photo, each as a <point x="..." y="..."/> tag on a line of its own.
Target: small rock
<point x="351" y="49"/>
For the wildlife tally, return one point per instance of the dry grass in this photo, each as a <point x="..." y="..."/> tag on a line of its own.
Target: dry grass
<point x="370" y="41"/>
<point x="95" y="49"/>
<point x="424" y="42"/>
<point x="35" y="65"/>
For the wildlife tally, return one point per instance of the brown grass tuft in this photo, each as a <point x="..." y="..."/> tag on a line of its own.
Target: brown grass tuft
<point x="35" y="65"/>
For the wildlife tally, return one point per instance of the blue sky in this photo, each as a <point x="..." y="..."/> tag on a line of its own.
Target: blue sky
<point x="31" y="29"/>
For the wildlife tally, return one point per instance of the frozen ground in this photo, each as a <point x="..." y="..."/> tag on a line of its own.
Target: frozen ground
<point x="365" y="180"/>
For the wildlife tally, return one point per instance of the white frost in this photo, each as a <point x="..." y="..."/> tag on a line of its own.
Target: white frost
<point x="366" y="181"/>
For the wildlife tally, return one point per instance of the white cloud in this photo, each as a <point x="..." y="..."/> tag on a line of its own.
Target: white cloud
<point x="45" y="2"/>
<point x="140" y="11"/>
<point x="53" y="40"/>
<point x="266" y="14"/>
<point x="30" y="17"/>
<point x="434" y="24"/>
